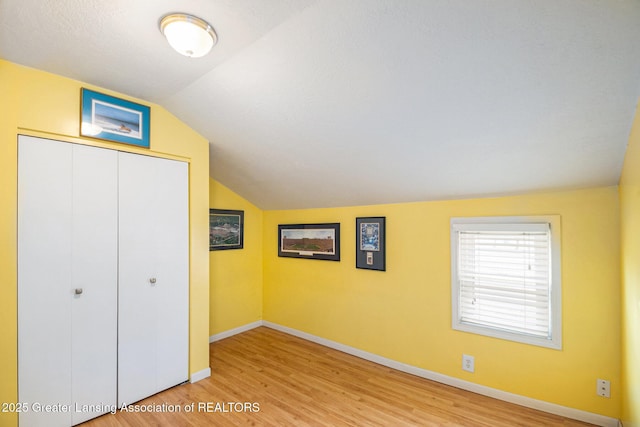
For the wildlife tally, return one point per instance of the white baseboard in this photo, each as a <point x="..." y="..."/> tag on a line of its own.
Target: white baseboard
<point x="200" y="375"/>
<point x="235" y="331"/>
<point x="528" y="402"/>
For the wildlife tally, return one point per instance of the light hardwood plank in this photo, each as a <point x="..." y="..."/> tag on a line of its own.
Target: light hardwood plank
<point x="295" y="382"/>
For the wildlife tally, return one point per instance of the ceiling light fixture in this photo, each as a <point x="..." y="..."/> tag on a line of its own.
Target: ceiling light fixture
<point x="188" y="34"/>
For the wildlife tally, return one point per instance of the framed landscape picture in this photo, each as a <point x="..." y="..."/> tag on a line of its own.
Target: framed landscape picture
<point x="311" y="241"/>
<point x="370" y="243"/>
<point x="114" y="119"/>
<point x="226" y="229"/>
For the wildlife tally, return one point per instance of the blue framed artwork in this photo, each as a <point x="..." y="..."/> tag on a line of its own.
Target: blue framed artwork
<point x="114" y="119"/>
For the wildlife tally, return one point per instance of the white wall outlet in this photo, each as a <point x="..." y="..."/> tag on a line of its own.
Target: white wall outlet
<point x="468" y="363"/>
<point x="603" y="388"/>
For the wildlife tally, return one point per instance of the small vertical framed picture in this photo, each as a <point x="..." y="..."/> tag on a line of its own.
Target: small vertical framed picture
<point x="370" y="243"/>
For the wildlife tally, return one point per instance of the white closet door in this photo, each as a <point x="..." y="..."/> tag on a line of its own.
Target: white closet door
<point x="173" y="274"/>
<point x="67" y="241"/>
<point x="94" y="272"/>
<point x="153" y="276"/>
<point x="45" y="293"/>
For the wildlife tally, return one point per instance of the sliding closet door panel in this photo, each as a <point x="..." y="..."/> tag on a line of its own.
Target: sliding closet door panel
<point x="154" y="281"/>
<point x="173" y="274"/>
<point x="95" y="260"/>
<point x="45" y="291"/>
<point x="137" y="296"/>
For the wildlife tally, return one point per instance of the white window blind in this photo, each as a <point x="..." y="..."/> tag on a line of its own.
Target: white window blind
<point x="503" y="280"/>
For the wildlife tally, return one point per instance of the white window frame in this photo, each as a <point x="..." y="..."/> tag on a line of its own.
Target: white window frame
<point x="554" y="341"/>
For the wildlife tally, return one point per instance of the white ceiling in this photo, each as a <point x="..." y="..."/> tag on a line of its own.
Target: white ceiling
<point x="318" y="103"/>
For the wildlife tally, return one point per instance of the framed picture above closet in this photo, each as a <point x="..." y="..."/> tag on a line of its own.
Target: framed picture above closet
<point x="114" y="119"/>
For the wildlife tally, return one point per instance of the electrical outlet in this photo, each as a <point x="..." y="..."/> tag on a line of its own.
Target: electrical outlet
<point x="603" y="388"/>
<point x="468" y="363"/>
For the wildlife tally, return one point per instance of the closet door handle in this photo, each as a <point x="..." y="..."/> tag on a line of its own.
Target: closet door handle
<point x="152" y="280"/>
<point x="78" y="291"/>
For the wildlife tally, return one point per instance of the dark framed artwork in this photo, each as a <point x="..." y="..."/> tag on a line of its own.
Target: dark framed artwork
<point x="311" y="241"/>
<point x="370" y="243"/>
<point x="226" y="229"/>
<point x="114" y="119"/>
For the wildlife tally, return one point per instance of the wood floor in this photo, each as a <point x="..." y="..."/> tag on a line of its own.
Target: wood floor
<point x="267" y="378"/>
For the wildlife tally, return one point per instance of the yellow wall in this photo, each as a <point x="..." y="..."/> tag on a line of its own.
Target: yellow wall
<point x="630" y="231"/>
<point x="236" y="275"/>
<point x="405" y="313"/>
<point x="42" y="104"/>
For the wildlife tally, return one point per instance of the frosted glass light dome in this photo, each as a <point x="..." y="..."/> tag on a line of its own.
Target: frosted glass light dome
<point x="188" y="34"/>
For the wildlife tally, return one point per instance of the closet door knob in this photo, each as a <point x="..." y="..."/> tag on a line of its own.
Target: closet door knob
<point x="152" y="280"/>
<point x="78" y="291"/>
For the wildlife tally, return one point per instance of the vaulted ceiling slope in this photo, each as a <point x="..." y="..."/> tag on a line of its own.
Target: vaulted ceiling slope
<point x="319" y="103"/>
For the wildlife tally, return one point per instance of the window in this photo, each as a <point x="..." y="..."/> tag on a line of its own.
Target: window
<point x="505" y="275"/>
